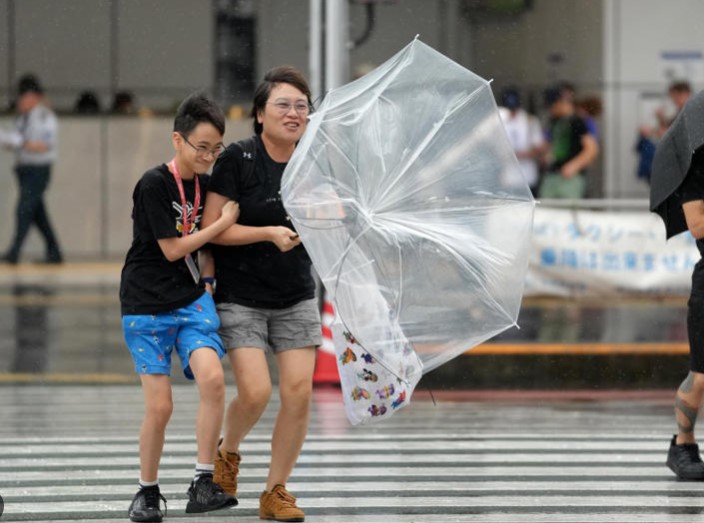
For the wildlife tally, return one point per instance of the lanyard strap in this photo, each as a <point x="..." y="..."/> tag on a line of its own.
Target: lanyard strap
<point x="184" y="203"/>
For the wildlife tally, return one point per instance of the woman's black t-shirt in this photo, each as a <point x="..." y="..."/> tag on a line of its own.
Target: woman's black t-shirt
<point x="151" y="284"/>
<point x="259" y="274"/>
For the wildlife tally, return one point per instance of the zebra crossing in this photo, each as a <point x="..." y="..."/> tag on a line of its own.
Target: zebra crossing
<point x="70" y="453"/>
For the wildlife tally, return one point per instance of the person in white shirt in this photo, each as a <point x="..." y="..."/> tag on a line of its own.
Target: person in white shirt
<point x="526" y="136"/>
<point x="35" y="143"/>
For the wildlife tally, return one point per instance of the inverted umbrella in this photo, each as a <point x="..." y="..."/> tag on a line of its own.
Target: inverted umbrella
<point x="673" y="157"/>
<point x="397" y="192"/>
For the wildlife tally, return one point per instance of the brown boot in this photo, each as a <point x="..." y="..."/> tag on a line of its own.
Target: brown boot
<point x="279" y="505"/>
<point x="227" y="466"/>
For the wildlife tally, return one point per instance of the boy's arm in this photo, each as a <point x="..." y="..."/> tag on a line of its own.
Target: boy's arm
<point x="176" y="248"/>
<point x="206" y="263"/>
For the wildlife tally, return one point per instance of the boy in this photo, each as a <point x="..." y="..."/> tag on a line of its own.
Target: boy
<point x="165" y="305"/>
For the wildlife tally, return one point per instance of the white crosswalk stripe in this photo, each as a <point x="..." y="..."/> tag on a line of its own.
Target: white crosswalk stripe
<point x="70" y="453"/>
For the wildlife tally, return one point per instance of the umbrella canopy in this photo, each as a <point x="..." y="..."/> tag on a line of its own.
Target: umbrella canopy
<point x="397" y="191"/>
<point x="673" y="157"/>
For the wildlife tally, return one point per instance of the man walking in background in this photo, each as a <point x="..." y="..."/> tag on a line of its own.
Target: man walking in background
<point x="35" y="145"/>
<point x="572" y="148"/>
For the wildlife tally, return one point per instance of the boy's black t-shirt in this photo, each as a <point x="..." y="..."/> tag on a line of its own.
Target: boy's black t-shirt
<point x="151" y="284"/>
<point x="259" y="274"/>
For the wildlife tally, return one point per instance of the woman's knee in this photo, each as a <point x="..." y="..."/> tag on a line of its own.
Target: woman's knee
<point x="296" y="393"/>
<point x="254" y="395"/>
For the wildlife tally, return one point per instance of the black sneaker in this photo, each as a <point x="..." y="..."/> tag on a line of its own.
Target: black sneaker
<point x="684" y="460"/>
<point x="205" y="495"/>
<point x="145" y="505"/>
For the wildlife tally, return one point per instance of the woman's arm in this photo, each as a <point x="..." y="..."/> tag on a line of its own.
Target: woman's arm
<point x="283" y="237"/>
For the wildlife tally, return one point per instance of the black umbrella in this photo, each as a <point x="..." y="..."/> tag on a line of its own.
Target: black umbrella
<point x="673" y="157"/>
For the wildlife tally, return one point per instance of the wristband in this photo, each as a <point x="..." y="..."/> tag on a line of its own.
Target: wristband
<point x="209" y="280"/>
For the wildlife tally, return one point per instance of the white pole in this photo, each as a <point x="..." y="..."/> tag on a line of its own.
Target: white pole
<point x="612" y="92"/>
<point x="315" y="50"/>
<point x="336" y="43"/>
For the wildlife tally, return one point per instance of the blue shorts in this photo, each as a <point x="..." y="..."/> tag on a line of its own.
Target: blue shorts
<point x="152" y="337"/>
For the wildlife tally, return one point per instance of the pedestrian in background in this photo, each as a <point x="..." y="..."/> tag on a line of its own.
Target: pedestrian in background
<point x="589" y="108"/>
<point x="526" y="136"/>
<point x="35" y="144"/>
<point x="572" y="148"/>
<point x="165" y="306"/>
<point x="649" y="136"/>
<point x="683" y="456"/>
<point x="265" y="290"/>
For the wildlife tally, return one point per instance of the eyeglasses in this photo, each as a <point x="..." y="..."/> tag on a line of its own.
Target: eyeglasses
<point x="201" y="150"/>
<point x="284" y="107"/>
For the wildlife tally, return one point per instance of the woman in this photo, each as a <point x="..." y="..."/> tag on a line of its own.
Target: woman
<point x="265" y="292"/>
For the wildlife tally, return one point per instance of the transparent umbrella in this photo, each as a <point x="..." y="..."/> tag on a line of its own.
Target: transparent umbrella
<point x="397" y="192"/>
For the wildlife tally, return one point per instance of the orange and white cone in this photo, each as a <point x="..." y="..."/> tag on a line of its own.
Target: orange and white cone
<point x="326" y="372"/>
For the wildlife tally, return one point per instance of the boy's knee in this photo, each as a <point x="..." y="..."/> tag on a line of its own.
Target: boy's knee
<point x="212" y="381"/>
<point x="160" y="411"/>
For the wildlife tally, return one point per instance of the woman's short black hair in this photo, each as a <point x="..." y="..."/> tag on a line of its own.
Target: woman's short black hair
<point x="198" y="108"/>
<point x="284" y="74"/>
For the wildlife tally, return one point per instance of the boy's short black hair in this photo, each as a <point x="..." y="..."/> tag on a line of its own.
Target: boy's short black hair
<point x="195" y="109"/>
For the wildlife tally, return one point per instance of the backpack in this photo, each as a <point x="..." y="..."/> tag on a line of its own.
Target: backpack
<point x="249" y="152"/>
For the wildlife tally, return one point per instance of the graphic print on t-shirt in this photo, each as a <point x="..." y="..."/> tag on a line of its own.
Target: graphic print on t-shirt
<point x="192" y="227"/>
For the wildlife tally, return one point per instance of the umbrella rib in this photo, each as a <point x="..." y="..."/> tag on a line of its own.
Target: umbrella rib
<point x="352" y="242"/>
<point x="461" y="259"/>
<point x="426" y="139"/>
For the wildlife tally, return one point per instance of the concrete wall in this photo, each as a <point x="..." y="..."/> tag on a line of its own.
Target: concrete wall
<point x="637" y="33"/>
<point x="90" y="196"/>
<point x="160" y="50"/>
<point x="517" y="50"/>
<point x="163" y="49"/>
<point x="282" y="31"/>
<point x="553" y="41"/>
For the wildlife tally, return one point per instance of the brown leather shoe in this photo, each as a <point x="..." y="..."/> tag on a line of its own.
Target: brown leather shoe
<point x="279" y="505"/>
<point x="227" y="466"/>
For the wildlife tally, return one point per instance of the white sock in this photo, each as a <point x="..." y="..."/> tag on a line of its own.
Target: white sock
<point x="145" y="484"/>
<point x="203" y="468"/>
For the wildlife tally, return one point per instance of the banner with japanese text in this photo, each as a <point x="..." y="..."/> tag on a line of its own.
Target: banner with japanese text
<point x="578" y="252"/>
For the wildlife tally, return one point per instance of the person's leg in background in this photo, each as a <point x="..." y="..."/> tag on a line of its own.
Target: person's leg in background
<point x="683" y="457"/>
<point x="41" y="217"/>
<point x="32" y="182"/>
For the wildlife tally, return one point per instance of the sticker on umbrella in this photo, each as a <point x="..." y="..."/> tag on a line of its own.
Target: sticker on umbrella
<point x="397" y="191"/>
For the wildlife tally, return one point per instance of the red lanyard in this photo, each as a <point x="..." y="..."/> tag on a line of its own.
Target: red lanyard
<point x="184" y="203"/>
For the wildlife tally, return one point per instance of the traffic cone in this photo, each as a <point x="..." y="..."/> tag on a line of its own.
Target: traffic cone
<point x="326" y="372"/>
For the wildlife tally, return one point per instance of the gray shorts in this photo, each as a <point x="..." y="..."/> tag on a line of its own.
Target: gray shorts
<point x="276" y="329"/>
